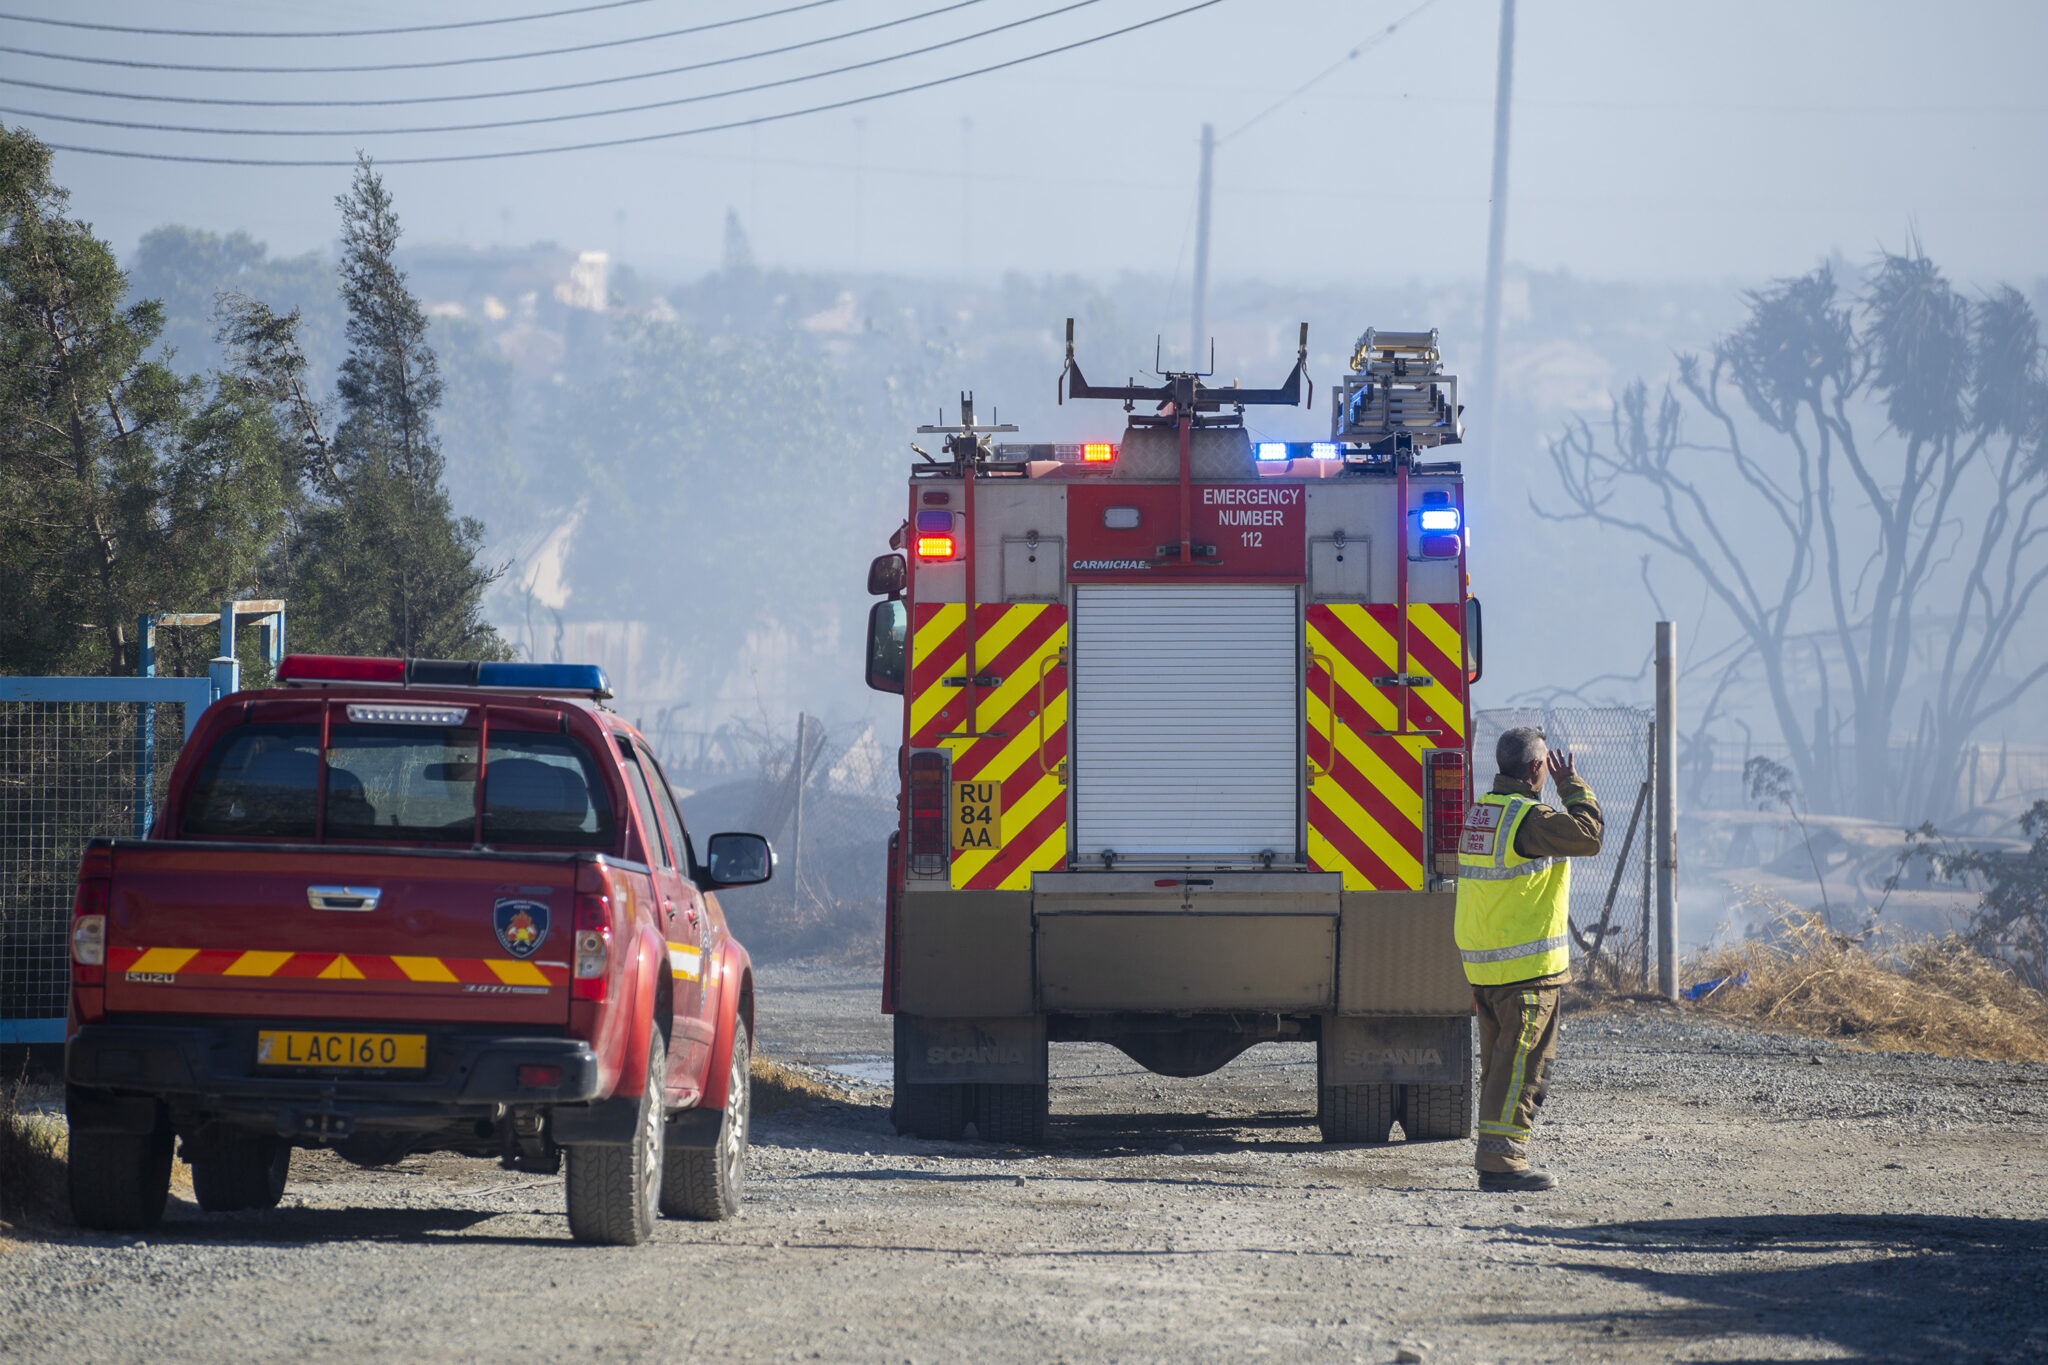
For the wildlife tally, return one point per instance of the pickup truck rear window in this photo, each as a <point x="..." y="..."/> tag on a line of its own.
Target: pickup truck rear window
<point x="401" y="783"/>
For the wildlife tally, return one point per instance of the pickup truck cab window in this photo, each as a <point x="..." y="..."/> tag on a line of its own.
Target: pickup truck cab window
<point x="401" y="783"/>
<point x="258" y="781"/>
<point x="643" y="802"/>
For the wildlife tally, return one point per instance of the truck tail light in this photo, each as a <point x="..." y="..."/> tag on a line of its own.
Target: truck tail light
<point x="1447" y="801"/>
<point x="928" y="814"/>
<point x="935" y="538"/>
<point x="89" y="932"/>
<point x="593" y="948"/>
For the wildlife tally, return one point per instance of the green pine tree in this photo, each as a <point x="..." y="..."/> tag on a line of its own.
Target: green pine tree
<point x="123" y="488"/>
<point x="382" y="564"/>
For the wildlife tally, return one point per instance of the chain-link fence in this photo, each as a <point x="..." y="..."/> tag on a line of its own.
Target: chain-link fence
<point x="1611" y="893"/>
<point x="69" y="772"/>
<point x="826" y="797"/>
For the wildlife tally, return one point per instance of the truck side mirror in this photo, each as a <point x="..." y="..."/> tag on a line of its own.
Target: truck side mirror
<point x="1475" y="642"/>
<point x="888" y="623"/>
<point x="737" y="860"/>
<point x="885" y="575"/>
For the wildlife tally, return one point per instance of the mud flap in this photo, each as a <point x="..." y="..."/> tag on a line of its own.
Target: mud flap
<point x="1384" y="1051"/>
<point x="970" y="1051"/>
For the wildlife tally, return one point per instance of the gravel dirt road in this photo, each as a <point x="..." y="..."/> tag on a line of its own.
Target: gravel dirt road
<point x="1727" y="1196"/>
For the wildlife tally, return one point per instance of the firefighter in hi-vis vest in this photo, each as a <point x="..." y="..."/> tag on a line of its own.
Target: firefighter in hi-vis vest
<point x="1514" y="896"/>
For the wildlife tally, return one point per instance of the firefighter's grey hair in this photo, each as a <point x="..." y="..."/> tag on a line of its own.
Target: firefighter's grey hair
<point x="1516" y="749"/>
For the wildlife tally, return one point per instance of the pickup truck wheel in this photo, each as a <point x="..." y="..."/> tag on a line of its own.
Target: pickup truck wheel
<point x="1358" y="1113"/>
<point x="1431" y="1113"/>
<point x="120" y="1181"/>
<point x="240" y="1171"/>
<point x="612" y="1190"/>
<point x="706" y="1183"/>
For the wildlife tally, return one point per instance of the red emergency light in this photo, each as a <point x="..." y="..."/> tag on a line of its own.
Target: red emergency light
<point x="935" y="535"/>
<point x="1098" y="452"/>
<point x="340" y="668"/>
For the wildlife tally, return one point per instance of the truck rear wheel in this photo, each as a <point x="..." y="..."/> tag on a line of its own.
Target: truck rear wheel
<point x="939" y="1112"/>
<point x="706" y="1183"/>
<point x="613" y="1190"/>
<point x="120" y="1181"/>
<point x="235" y="1170"/>
<point x="1433" y="1113"/>
<point x="1014" y="1115"/>
<point x="1358" y="1113"/>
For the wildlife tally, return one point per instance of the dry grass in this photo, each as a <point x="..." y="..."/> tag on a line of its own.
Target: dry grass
<point x="1939" y="996"/>
<point x="778" y="1088"/>
<point x="31" y="1157"/>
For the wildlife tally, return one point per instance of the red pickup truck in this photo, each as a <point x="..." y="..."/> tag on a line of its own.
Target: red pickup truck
<point x="404" y="905"/>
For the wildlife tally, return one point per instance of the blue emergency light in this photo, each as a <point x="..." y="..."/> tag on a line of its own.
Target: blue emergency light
<point x="1437" y="514"/>
<point x="1270" y="452"/>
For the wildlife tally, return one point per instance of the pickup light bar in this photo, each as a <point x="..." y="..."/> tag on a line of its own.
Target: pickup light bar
<point x="313" y="670"/>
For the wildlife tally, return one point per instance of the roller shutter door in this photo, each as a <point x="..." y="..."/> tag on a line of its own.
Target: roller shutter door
<point x="1186" y="704"/>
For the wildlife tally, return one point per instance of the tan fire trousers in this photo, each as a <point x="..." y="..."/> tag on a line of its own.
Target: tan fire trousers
<point x="1517" y="1034"/>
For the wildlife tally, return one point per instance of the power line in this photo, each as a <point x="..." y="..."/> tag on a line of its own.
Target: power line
<point x="328" y="33"/>
<point x="486" y="95"/>
<point x="553" y="118"/>
<point x="1353" y="55"/>
<point x="414" y="66"/>
<point x="756" y="121"/>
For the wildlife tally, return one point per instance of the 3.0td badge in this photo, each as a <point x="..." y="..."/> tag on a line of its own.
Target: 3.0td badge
<point x="522" y="925"/>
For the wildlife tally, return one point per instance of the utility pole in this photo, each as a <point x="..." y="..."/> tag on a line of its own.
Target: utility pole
<point x="1496" y="229"/>
<point x="1202" y="247"/>
<point x="1664" y="756"/>
<point x="796" y="833"/>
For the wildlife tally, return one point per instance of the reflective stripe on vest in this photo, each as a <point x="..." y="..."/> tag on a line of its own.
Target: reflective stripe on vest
<point x="1512" y="911"/>
<point x="1545" y="945"/>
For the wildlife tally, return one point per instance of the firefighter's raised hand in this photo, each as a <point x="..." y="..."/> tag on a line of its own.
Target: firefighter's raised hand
<point x="1562" y="766"/>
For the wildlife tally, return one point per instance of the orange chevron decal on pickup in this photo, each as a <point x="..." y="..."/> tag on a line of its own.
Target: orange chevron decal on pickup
<point x="1021" y="728"/>
<point x="282" y="966"/>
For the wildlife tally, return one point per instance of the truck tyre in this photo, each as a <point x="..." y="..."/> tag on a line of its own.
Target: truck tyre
<point x="1012" y="1115"/>
<point x="240" y="1171"/>
<point x="613" y="1190"/>
<point x="120" y="1181"/>
<point x="706" y="1183"/>
<point x="939" y="1112"/>
<point x="1358" y="1113"/>
<point x="1433" y="1113"/>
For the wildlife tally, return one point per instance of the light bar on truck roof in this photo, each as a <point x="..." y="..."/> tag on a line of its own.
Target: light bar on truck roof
<point x="1271" y="452"/>
<point x="581" y="680"/>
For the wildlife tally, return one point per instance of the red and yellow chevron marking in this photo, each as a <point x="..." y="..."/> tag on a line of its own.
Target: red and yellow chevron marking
<point x="260" y="963"/>
<point x="1365" y="804"/>
<point x="1020" y="643"/>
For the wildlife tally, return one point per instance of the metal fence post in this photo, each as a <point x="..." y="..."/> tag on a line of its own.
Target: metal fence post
<point x="1667" y="808"/>
<point x="796" y="833"/>
<point x="226" y="675"/>
<point x="145" y="729"/>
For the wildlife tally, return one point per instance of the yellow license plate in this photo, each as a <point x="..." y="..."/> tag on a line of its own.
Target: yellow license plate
<point x="342" y="1051"/>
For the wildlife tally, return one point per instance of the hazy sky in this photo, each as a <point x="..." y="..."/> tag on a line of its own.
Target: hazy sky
<point x="1717" y="139"/>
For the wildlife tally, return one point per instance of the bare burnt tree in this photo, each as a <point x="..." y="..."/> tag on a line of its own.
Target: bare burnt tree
<point x="1864" y="496"/>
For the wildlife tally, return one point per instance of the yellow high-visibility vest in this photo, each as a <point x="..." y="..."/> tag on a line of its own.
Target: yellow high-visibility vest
<point x="1513" y="912"/>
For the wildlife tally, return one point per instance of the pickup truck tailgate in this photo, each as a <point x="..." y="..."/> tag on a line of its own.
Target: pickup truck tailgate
<point x="340" y="933"/>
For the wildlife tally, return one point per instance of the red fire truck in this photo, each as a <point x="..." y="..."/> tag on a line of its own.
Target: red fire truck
<point x="1185" y="749"/>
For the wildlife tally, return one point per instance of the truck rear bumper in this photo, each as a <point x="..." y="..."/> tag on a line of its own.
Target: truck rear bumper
<point x="211" y="1068"/>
